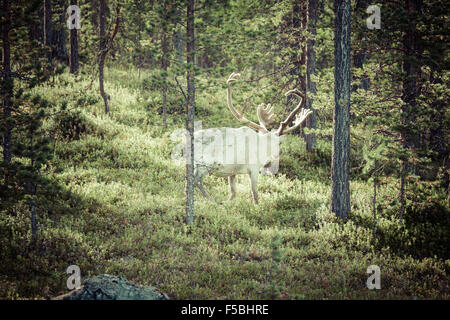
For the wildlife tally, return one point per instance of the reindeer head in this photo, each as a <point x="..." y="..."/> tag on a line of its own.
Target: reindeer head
<point x="265" y="118"/>
<point x="265" y="112"/>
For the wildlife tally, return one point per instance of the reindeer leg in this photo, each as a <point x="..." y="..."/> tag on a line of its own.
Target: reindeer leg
<point x="198" y="176"/>
<point x="254" y="181"/>
<point x="232" y="182"/>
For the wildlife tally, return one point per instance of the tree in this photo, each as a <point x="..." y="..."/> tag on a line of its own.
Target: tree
<point x="73" y="46"/>
<point x="178" y="41"/>
<point x="340" y="175"/>
<point x="360" y="55"/>
<point x="190" y="111"/>
<point x="25" y="144"/>
<point x="411" y="89"/>
<point x="106" y="43"/>
<point x="164" y="58"/>
<point x="310" y="71"/>
<point x="7" y="81"/>
<point x="59" y="33"/>
<point x="48" y="27"/>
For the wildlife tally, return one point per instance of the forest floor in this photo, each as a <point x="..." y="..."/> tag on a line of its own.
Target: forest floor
<point x="120" y="210"/>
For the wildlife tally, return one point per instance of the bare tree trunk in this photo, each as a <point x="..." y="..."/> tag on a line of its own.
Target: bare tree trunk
<point x="140" y="49"/>
<point x="73" y="47"/>
<point x="34" y="228"/>
<point x="33" y="215"/>
<point x="310" y="70"/>
<point x="361" y="55"/>
<point x="164" y="63"/>
<point x="94" y="14"/>
<point x="59" y="34"/>
<point x="340" y="176"/>
<point x="48" y="27"/>
<point x="403" y="174"/>
<point x="298" y="23"/>
<point x="412" y="52"/>
<point x="101" y="62"/>
<point x="411" y="87"/>
<point x="190" y="111"/>
<point x="178" y="42"/>
<point x="375" y="197"/>
<point x="7" y="79"/>
<point x="106" y="43"/>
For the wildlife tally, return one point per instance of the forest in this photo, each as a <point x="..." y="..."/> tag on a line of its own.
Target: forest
<point x="111" y="125"/>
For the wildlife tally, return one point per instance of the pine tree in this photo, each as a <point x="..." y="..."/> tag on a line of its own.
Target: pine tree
<point x="190" y="112"/>
<point x="26" y="146"/>
<point x="310" y="72"/>
<point x="340" y="175"/>
<point x="73" y="46"/>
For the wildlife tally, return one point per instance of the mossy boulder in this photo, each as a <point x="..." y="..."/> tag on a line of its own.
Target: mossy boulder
<point x="108" y="287"/>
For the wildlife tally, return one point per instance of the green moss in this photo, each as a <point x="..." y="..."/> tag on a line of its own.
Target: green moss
<point x="120" y="210"/>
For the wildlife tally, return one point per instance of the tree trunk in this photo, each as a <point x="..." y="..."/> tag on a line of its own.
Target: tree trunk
<point x="178" y="42"/>
<point x="298" y="23"/>
<point x="94" y="14"/>
<point x="412" y="53"/>
<point x="139" y="48"/>
<point x="105" y="46"/>
<point x="190" y="111"/>
<point x="48" y="27"/>
<point x="164" y="64"/>
<point x="375" y="197"/>
<point x="59" y="34"/>
<point x="101" y="62"/>
<point x="73" y="46"/>
<point x="340" y="178"/>
<point x="310" y="70"/>
<point x="411" y="88"/>
<point x="7" y="83"/>
<point x="361" y="55"/>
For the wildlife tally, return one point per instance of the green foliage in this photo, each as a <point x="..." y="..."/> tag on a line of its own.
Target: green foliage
<point x="425" y="230"/>
<point x="110" y="199"/>
<point x="119" y="209"/>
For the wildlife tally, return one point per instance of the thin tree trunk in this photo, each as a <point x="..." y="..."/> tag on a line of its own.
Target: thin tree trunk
<point x="178" y="42"/>
<point x="140" y="49"/>
<point x="101" y="62"/>
<point x="361" y="55"/>
<point x="34" y="228"/>
<point x="298" y="23"/>
<point x="7" y="79"/>
<point x="164" y="63"/>
<point x="402" y="189"/>
<point x="105" y="46"/>
<point x="340" y="177"/>
<point x="59" y="35"/>
<point x="94" y="14"/>
<point x="412" y="52"/>
<point x="310" y="71"/>
<point x="375" y="197"/>
<point x="48" y="27"/>
<point x="73" y="46"/>
<point x="33" y="216"/>
<point x="190" y="111"/>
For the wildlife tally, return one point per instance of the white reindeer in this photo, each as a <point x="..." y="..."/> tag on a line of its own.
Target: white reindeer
<point x="248" y="150"/>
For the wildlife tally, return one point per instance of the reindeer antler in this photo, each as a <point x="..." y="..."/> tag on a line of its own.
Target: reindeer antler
<point x="240" y="116"/>
<point x="265" y="115"/>
<point x="299" y="118"/>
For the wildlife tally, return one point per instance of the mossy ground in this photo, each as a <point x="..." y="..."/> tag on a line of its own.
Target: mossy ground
<point x="120" y="210"/>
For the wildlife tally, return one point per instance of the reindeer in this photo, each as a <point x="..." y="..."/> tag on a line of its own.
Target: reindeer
<point x="248" y="150"/>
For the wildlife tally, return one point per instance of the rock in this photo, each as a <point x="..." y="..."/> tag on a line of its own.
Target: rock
<point x="107" y="287"/>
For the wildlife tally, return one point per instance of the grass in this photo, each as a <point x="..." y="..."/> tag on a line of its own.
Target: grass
<point x="120" y="210"/>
